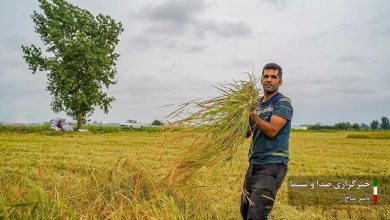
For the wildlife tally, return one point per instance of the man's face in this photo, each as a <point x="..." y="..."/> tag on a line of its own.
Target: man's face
<point x="270" y="80"/>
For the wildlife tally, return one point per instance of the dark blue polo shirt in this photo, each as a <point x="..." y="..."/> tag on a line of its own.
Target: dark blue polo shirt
<point x="263" y="149"/>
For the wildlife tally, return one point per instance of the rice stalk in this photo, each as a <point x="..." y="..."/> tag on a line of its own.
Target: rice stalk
<point x="224" y="122"/>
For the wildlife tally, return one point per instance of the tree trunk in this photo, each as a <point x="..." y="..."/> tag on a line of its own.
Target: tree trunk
<point x="79" y="118"/>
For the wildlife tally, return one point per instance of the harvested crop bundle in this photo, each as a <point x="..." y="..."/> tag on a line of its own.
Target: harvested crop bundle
<point x="223" y="121"/>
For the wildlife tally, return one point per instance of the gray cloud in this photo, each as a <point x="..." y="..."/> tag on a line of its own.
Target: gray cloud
<point x="237" y="63"/>
<point x="185" y="47"/>
<point x="377" y="23"/>
<point x="10" y="52"/>
<point x="180" y="26"/>
<point x="386" y="31"/>
<point x="142" y="42"/>
<point x="189" y="38"/>
<point x="184" y="19"/>
<point x="223" y="29"/>
<point x="275" y="3"/>
<point x="172" y="51"/>
<point x="175" y="12"/>
<point x="238" y="29"/>
<point x="200" y="29"/>
<point x="156" y="97"/>
<point x="351" y="58"/>
<point x="241" y="63"/>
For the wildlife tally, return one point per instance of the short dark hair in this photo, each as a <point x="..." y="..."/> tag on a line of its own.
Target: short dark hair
<point x="273" y="66"/>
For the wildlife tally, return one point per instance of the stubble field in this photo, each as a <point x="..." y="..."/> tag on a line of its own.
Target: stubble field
<point x="120" y="176"/>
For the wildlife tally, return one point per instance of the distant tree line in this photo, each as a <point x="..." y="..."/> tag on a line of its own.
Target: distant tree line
<point x="384" y="125"/>
<point x="155" y="123"/>
<point x="375" y="125"/>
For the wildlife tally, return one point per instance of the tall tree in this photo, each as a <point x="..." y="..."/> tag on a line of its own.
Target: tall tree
<point x="157" y="122"/>
<point x="79" y="59"/>
<point x="356" y="126"/>
<point x="374" y="125"/>
<point x="385" y="125"/>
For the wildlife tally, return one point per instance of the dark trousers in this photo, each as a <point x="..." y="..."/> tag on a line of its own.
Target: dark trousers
<point x="261" y="184"/>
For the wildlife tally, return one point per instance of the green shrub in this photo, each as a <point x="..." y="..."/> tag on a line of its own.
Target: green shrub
<point x="102" y="128"/>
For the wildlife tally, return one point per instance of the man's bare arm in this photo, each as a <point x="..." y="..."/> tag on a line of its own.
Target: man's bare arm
<point x="270" y="129"/>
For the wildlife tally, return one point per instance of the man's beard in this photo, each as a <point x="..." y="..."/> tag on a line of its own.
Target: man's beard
<point x="270" y="89"/>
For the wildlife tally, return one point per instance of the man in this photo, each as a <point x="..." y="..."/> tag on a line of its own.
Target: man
<point x="268" y="155"/>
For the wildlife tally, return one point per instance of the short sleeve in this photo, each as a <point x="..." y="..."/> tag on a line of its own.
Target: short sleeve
<point x="283" y="108"/>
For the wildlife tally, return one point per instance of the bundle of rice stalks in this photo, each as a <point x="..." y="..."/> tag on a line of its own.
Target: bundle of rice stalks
<point x="223" y="121"/>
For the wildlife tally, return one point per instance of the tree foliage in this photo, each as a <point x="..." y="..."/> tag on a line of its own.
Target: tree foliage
<point x="157" y="122"/>
<point x="374" y="125"/>
<point x="355" y="126"/>
<point x="344" y="126"/>
<point x="79" y="58"/>
<point x="385" y="124"/>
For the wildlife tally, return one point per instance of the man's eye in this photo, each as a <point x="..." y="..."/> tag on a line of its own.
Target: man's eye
<point x="274" y="77"/>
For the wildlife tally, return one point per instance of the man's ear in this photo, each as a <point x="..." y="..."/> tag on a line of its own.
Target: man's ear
<point x="280" y="82"/>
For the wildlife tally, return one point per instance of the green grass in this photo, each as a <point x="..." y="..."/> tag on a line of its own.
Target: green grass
<point x="25" y="128"/>
<point x="116" y="129"/>
<point x="112" y="175"/>
<point x="102" y="128"/>
<point x="45" y="128"/>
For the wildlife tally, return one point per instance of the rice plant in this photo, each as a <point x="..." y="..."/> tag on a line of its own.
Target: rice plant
<point x="223" y="121"/>
<point x="78" y="176"/>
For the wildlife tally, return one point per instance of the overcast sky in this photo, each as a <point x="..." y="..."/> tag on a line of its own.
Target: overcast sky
<point x="335" y="56"/>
